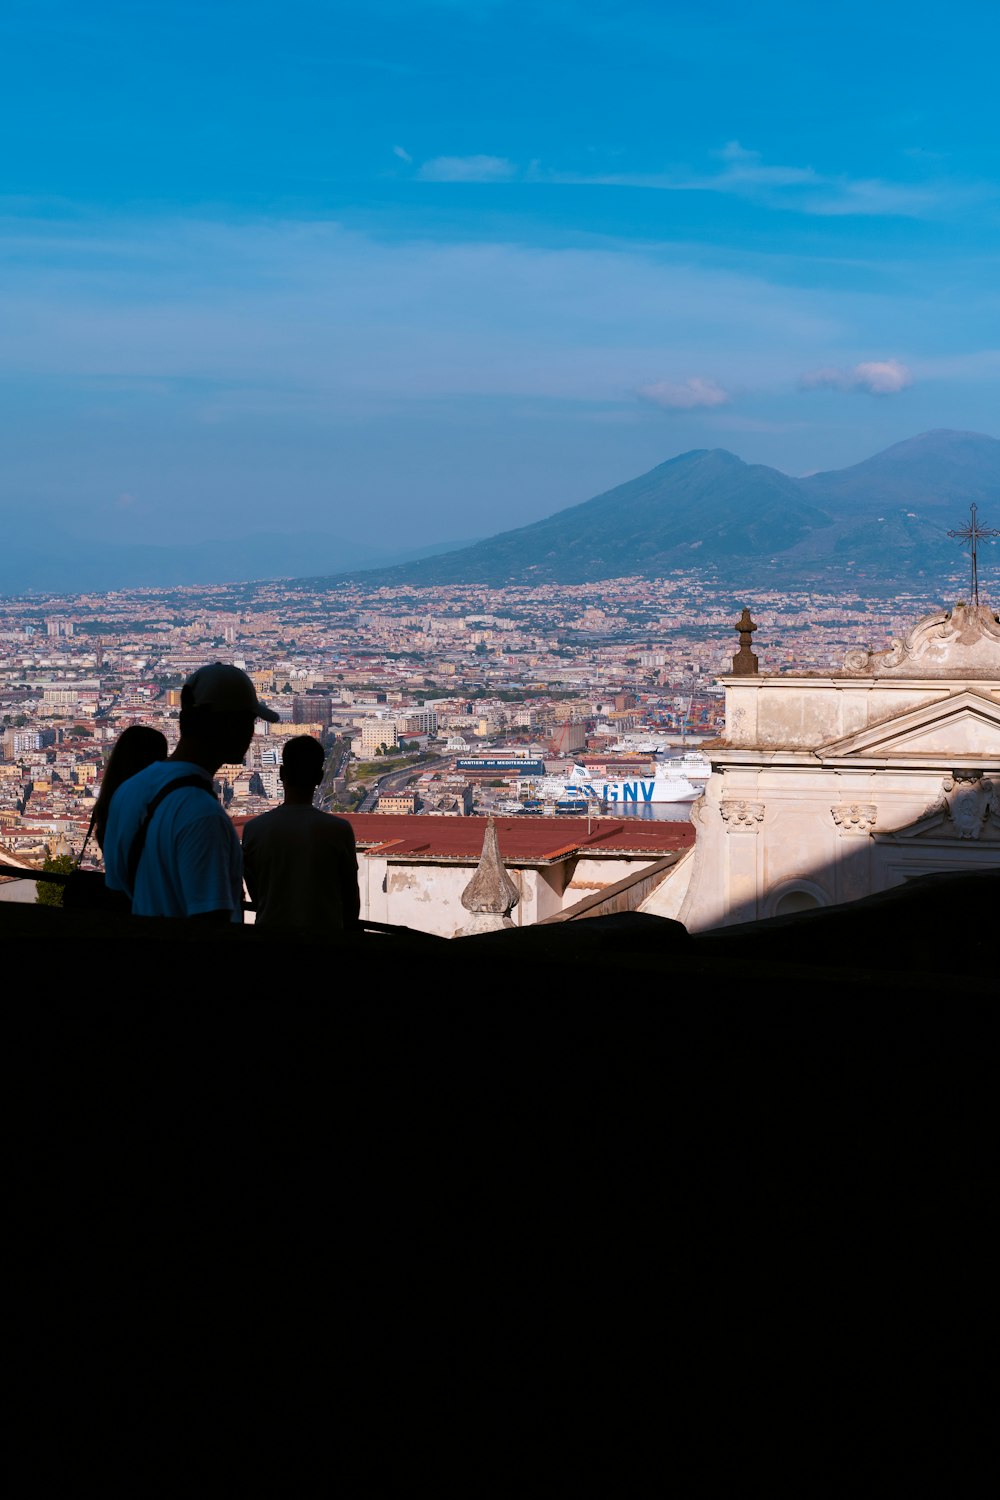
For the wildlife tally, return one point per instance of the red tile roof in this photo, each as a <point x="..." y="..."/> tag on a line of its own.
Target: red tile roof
<point x="523" y="839"/>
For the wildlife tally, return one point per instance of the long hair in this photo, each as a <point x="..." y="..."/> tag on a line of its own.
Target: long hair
<point x="134" y="750"/>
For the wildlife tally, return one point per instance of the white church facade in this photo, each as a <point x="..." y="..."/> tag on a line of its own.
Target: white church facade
<point x="827" y="788"/>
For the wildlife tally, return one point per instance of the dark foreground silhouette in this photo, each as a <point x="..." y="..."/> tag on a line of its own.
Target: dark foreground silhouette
<point x="584" y="1192"/>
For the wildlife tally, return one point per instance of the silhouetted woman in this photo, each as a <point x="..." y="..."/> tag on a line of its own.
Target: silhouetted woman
<point x="134" y="750"/>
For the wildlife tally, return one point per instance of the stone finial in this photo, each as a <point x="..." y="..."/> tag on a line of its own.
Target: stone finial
<point x="745" y="662"/>
<point x="490" y="895"/>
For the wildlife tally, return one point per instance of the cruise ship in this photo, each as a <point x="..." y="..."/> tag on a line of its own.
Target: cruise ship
<point x="679" y="779"/>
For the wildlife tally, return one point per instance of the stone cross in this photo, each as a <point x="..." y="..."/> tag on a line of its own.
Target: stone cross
<point x="490" y="895"/>
<point x="744" y="662"/>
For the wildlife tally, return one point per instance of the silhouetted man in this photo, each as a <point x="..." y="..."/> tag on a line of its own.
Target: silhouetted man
<point x="301" y="864"/>
<point x="190" y="863"/>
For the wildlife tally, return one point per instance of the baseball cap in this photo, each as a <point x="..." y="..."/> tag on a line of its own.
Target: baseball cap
<point x="225" y="689"/>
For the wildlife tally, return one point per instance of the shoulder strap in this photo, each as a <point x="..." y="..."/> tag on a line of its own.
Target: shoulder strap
<point x="86" y="839"/>
<point x="139" y="842"/>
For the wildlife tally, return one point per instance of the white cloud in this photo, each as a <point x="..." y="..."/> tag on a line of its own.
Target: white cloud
<point x="879" y="377"/>
<point x="401" y="153"/>
<point x="840" y="196"/>
<point x="742" y="173"/>
<point x="467" y="169"/>
<point x="883" y="377"/>
<point x="747" y="169"/>
<point x="684" y="395"/>
<point x="733" y="151"/>
<point x="745" y="174"/>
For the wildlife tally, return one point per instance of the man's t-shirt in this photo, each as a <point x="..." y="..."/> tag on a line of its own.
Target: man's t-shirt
<point x="191" y="863"/>
<point x="301" y="868"/>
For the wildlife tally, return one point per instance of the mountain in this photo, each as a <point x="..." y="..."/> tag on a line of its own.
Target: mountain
<point x="935" y="472"/>
<point x="884" y="519"/>
<point x="704" y="505"/>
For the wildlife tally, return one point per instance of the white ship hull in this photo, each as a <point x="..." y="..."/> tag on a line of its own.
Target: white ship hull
<point x="657" y="789"/>
<point x="675" y="781"/>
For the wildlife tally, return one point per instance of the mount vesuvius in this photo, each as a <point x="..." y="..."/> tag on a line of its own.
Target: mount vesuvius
<point x="884" y="519"/>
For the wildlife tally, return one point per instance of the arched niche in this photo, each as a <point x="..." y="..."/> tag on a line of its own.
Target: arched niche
<point x="794" y="896"/>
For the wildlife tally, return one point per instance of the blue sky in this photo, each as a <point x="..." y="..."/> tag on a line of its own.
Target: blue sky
<point x="422" y="271"/>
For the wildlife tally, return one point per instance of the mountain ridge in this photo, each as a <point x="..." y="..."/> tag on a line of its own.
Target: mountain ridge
<point x="885" y="517"/>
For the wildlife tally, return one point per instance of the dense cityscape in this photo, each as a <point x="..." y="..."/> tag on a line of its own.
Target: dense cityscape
<point x="401" y="685"/>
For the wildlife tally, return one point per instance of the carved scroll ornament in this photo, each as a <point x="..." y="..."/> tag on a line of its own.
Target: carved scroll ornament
<point x="965" y="638"/>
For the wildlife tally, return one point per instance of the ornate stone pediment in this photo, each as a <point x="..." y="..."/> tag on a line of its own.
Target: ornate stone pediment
<point x="962" y="728"/>
<point x="960" y="642"/>
<point x="968" y="808"/>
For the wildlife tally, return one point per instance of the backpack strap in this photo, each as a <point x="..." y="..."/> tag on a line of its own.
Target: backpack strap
<point x="139" y="842"/>
<point x="86" y="839"/>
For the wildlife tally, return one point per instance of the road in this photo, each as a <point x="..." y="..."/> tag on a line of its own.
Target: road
<point x="331" y="777"/>
<point x="394" y="781"/>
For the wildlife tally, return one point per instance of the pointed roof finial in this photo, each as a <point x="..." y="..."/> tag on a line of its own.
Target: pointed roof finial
<point x="745" y="662"/>
<point x="490" y="895"/>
